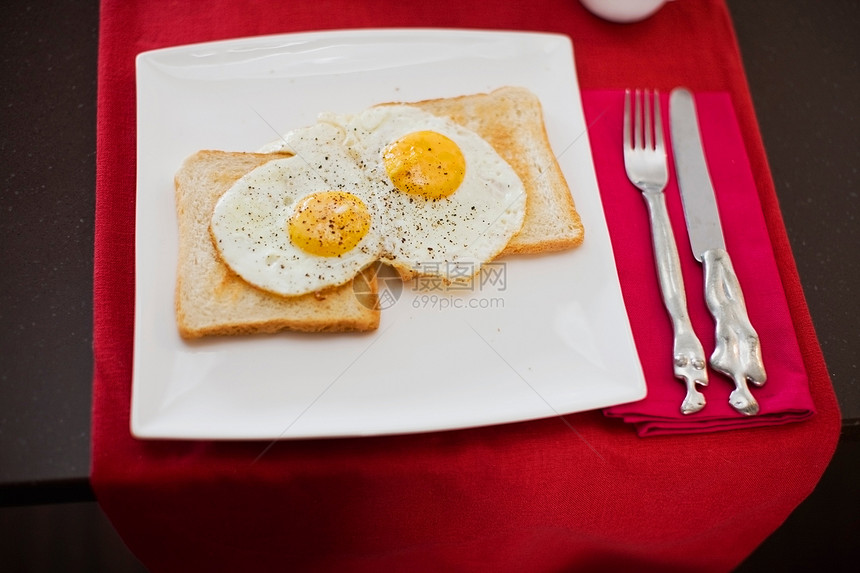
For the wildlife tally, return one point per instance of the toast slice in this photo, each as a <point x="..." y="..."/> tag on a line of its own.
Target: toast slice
<point x="511" y="120"/>
<point x="212" y="300"/>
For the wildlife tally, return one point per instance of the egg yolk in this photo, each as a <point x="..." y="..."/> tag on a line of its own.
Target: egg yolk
<point x="425" y="163"/>
<point x="329" y="223"/>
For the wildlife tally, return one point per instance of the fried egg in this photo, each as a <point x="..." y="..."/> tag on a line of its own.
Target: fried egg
<point x="302" y="223"/>
<point x="450" y="200"/>
<point x="392" y="183"/>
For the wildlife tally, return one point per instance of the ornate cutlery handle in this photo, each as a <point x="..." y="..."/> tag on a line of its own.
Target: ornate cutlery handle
<point x="688" y="354"/>
<point x="738" y="351"/>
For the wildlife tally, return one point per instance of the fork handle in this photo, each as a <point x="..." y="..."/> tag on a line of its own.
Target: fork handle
<point x="687" y="348"/>
<point x="668" y="262"/>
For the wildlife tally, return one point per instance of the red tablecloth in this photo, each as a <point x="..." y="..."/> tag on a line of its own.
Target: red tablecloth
<point x="533" y="496"/>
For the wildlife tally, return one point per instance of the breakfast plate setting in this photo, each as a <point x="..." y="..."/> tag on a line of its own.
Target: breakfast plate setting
<point x="532" y="336"/>
<point x="524" y="417"/>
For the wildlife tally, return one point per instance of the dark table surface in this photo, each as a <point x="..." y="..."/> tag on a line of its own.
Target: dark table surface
<point x="801" y="58"/>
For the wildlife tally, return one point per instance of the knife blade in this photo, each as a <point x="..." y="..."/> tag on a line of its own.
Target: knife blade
<point x="737" y="352"/>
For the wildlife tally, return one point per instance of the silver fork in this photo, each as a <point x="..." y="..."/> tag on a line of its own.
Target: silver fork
<point x="646" y="165"/>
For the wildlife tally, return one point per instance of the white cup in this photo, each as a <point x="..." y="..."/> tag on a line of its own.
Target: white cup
<point x="623" y="11"/>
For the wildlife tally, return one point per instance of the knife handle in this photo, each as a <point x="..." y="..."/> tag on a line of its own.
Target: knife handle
<point x="738" y="351"/>
<point x="688" y="354"/>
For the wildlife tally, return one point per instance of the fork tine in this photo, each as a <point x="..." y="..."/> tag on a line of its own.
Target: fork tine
<point x="658" y="122"/>
<point x="647" y="105"/>
<point x="628" y="136"/>
<point x="637" y="120"/>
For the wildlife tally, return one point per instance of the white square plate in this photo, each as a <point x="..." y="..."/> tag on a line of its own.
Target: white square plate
<point x="542" y="336"/>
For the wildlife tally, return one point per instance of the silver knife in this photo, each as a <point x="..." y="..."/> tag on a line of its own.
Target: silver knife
<point x="738" y="351"/>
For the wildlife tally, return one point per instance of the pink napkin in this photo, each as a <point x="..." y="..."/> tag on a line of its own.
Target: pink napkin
<point x="785" y="397"/>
